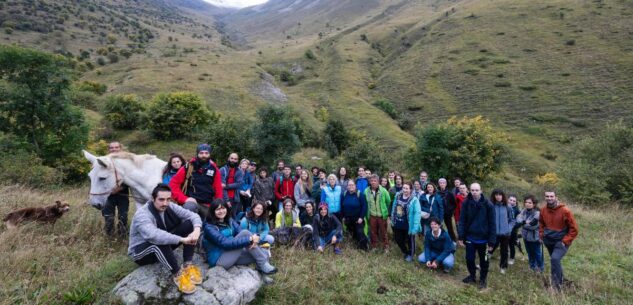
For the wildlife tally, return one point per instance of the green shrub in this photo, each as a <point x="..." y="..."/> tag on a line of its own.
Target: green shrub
<point x="468" y="148"/>
<point x="230" y="134"/>
<point x="310" y="55"/>
<point x="124" y="111"/>
<point x="90" y="86"/>
<point x="13" y="169"/>
<point x="277" y="134"/>
<point x="336" y="137"/>
<point x="85" y="99"/>
<point x="364" y="150"/>
<point x="387" y="107"/>
<point x="176" y="115"/>
<point x="600" y="168"/>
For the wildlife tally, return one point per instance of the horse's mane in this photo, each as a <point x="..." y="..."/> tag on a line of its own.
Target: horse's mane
<point x="136" y="159"/>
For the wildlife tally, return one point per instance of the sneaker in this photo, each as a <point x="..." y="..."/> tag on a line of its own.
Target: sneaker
<point x="268" y="280"/>
<point x="408" y="258"/>
<point x="482" y="284"/>
<point x="265" y="245"/>
<point x="469" y="279"/>
<point x="183" y="283"/>
<point x="511" y="261"/>
<point x="478" y="267"/>
<point x="194" y="274"/>
<point x="338" y="251"/>
<point x="503" y="271"/>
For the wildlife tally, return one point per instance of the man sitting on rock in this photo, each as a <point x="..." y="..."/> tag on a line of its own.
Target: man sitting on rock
<point x="157" y="229"/>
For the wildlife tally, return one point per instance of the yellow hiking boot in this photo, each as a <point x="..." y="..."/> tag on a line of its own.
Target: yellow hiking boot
<point x="193" y="273"/>
<point x="183" y="283"/>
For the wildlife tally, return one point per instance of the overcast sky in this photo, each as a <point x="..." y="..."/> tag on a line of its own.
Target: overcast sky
<point x="236" y="3"/>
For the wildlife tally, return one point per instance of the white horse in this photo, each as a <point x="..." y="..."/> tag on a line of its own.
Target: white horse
<point x="140" y="172"/>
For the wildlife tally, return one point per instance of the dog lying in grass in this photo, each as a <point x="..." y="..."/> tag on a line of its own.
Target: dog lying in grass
<point x="49" y="214"/>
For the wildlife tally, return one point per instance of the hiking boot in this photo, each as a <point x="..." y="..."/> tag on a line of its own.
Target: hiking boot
<point x="469" y="279"/>
<point x="483" y="284"/>
<point x="194" y="274"/>
<point x="184" y="284"/>
<point x="267" y="269"/>
<point x="338" y="250"/>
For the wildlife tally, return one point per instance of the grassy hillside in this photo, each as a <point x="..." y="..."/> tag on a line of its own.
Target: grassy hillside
<point x="73" y="263"/>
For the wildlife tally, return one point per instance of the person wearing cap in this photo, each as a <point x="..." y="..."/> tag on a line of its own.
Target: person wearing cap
<point x="196" y="184"/>
<point x="326" y="229"/>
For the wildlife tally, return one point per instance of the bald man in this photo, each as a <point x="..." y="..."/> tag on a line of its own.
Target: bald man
<point x="476" y="232"/>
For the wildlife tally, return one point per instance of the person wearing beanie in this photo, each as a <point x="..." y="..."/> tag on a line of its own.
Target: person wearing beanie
<point x="326" y="229"/>
<point x="197" y="183"/>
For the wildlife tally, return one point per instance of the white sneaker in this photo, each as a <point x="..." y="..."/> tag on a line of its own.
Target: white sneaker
<point x="503" y="271"/>
<point x="510" y="262"/>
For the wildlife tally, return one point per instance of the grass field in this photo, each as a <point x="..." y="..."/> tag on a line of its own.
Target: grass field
<point x="73" y="263"/>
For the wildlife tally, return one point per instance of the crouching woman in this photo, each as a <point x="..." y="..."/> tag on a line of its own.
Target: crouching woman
<point x="227" y="245"/>
<point x="438" y="247"/>
<point x="327" y="229"/>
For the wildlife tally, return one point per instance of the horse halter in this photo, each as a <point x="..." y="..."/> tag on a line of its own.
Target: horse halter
<point x="117" y="183"/>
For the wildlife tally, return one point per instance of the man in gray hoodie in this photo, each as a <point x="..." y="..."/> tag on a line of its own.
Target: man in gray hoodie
<point x="161" y="226"/>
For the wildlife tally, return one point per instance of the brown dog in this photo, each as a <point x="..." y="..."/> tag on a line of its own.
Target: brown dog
<point x="48" y="214"/>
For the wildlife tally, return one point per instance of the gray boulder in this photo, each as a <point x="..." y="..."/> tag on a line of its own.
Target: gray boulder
<point x="153" y="285"/>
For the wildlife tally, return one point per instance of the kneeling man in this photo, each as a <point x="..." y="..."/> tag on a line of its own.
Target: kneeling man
<point x="157" y="229"/>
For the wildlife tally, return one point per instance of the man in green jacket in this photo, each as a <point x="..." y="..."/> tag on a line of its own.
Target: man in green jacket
<point x="377" y="203"/>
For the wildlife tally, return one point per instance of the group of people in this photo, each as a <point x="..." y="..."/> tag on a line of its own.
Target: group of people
<point x="232" y="209"/>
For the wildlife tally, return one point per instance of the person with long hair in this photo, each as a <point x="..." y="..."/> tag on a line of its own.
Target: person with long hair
<point x="303" y="189"/>
<point x="342" y="177"/>
<point x="288" y="216"/>
<point x="417" y="189"/>
<point x="327" y="229"/>
<point x="175" y="162"/>
<point x="504" y="222"/>
<point x="528" y="220"/>
<point x="227" y="245"/>
<point x="405" y="221"/>
<point x="264" y="190"/>
<point x="256" y="221"/>
<point x="432" y="206"/>
<point x="307" y="216"/>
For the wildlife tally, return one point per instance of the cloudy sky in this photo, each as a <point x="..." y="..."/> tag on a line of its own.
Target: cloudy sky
<point x="236" y="3"/>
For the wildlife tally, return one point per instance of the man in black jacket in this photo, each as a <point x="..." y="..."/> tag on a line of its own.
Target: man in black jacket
<point x="476" y="229"/>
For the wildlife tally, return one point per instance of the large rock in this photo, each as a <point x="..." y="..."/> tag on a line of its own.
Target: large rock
<point x="153" y="285"/>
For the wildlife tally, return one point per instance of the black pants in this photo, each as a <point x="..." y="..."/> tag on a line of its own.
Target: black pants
<point x="448" y="221"/>
<point x="148" y="253"/>
<point x="514" y="236"/>
<point x="504" y="243"/>
<point x="405" y="242"/>
<point x="473" y="249"/>
<point x="358" y="232"/>
<point x="116" y="204"/>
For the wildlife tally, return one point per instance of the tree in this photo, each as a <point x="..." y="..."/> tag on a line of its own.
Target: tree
<point x="124" y="111"/>
<point x="336" y="137"/>
<point x="600" y="168"/>
<point x="468" y="148"/>
<point x="35" y="105"/>
<point x="177" y="115"/>
<point x="276" y="133"/>
<point x="365" y="151"/>
<point x="227" y="134"/>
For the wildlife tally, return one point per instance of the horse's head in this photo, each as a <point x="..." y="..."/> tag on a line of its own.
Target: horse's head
<point x="103" y="179"/>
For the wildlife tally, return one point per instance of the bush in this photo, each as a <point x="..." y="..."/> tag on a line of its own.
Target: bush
<point x="366" y="151"/>
<point x="90" y="86"/>
<point x="387" y="107"/>
<point x="12" y="169"/>
<point x="229" y="134"/>
<point x="468" y="148"/>
<point x="83" y="99"/>
<point x="176" y="115"/>
<point x="276" y="134"/>
<point x="336" y="137"/>
<point x="600" y="168"/>
<point x="310" y="55"/>
<point x="124" y="111"/>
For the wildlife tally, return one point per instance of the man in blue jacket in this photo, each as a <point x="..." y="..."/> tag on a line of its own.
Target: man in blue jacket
<point x="232" y="178"/>
<point x="476" y="231"/>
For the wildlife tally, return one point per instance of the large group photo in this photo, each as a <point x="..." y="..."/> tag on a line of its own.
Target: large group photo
<point x="233" y="152"/>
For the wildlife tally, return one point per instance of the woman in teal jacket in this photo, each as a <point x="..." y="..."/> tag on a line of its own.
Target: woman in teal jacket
<point x="405" y="220"/>
<point x="331" y="194"/>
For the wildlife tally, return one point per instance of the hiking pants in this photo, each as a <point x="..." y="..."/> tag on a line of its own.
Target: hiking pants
<point x="556" y="253"/>
<point x="405" y="242"/>
<point x="473" y="249"/>
<point x="243" y="256"/>
<point x="503" y="241"/>
<point x="148" y="253"/>
<point x="113" y="203"/>
<point x="448" y="221"/>
<point x="358" y="232"/>
<point x="378" y="228"/>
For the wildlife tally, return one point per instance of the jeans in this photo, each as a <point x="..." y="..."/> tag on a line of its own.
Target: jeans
<point x="243" y="256"/>
<point x="148" y="253"/>
<point x="447" y="263"/>
<point x="535" y="255"/>
<point x="327" y="239"/>
<point x="473" y="249"/>
<point x="504" y="242"/>
<point x="113" y="203"/>
<point x="556" y="252"/>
